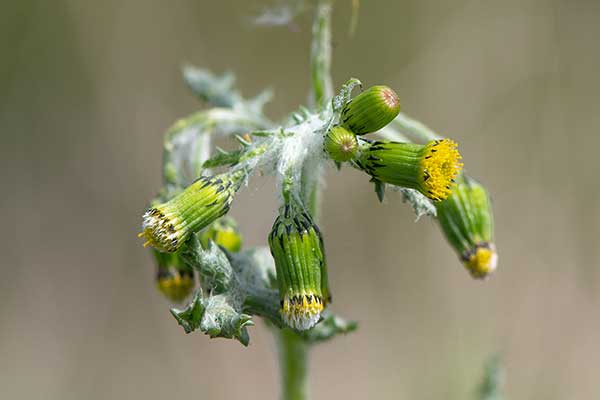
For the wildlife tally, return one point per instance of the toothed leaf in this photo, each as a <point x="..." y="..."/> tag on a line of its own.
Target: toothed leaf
<point x="223" y="158"/>
<point x="189" y="318"/>
<point x="216" y="316"/>
<point x="219" y="92"/>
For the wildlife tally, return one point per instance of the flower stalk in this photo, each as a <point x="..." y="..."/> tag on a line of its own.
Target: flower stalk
<point x="293" y="350"/>
<point x="293" y="365"/>
<point x="320" y="55"/>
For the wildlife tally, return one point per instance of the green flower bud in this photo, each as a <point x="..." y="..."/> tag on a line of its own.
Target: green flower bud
<point x="166" y="226"/>
<point x="225" y="233"/>
<point x="430" y="169"/>
<point x="371" y="110"/>
<point x="174" y="279"/>
<point x="340" y="144"/>
<point x="297" y="248"/>
<point x="466" y="220"/>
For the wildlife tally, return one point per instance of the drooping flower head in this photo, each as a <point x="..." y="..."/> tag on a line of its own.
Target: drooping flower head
<point x="166" y="226"/>
<point x="174" y="279"/>
<point x="297" y="247"/>
<point x="466" y="220"/>
<point x="430" y="169"/>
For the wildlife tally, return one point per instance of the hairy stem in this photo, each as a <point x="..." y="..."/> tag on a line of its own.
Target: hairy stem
<point x="321" y="92"/>
<point x="293" y="349"/>
<point x="311" y="188"/>
<point x="293" y="361"/>
<point x="320" y="55"/>
<point x="414" y="129"/>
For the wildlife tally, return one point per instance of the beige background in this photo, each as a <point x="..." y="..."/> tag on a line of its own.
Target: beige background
<point x="87" y="89"/>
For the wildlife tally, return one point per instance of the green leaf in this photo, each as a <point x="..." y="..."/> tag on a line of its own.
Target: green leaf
<point x="262" y="133"/>
<point x="217" y="316"/>
<point x="221" y="319"/>
<point x="218" y="91"/>
<point x="345" y="94"/>
<point x="212" y="264"/>
<point x="245" y="143"/>
<point x="190" y="317"/>
<point x="223" y="158"/>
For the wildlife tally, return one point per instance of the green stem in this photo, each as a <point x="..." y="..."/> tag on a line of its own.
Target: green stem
<point x="320" y="55"/>
<point x="415" y="129"/>
<point x="293" y="348"/>
<point x="311" y="188"/>
<point x="321" y="93"/>
<point x="263" y="302"/>
<point x="293" y="362"/>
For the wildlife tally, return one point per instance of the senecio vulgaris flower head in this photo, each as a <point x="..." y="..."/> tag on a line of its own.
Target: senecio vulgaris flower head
<point x="166" y="226"/>
<point x="371" y="110"/>
<point x="430" y="168"/>
<point x="225" y="233"/>
<point x="174" y="279"/>
<point x="466" y="220"/>
<point x="297" y="247"/>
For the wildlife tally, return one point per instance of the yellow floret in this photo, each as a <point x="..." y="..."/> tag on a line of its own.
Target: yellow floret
<point x="302" y="312"/>
<point x="482" y="261"/>
<point x="439" y="167"/>
<point x="175" y="287"/>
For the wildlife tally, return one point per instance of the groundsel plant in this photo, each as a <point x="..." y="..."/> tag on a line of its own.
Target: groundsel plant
<point x="199" y="251"/>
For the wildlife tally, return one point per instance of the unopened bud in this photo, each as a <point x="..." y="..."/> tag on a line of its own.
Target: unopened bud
<point x="297" y="247"/>
<point x="174" y="279"/>
<point x="166" y="226"/>
<point x="340" y="144"/>
<point x="371" y="110"/>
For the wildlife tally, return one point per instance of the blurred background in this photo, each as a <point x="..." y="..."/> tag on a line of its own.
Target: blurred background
<point x="87" y="90"/>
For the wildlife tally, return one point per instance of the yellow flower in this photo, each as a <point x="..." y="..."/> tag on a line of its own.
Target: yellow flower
<point x="430" y="169"/>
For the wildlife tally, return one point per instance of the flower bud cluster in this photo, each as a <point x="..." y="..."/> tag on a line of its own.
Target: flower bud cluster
<point x="366" y="113"/>
<point x="430" y="169"/>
